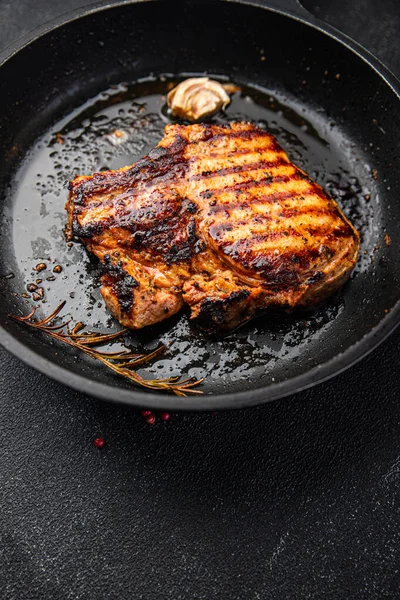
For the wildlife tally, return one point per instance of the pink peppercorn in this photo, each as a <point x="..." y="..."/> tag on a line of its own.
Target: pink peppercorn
<point x="99" y="442"/>
<point x="165" y="416"/>
<point x="146" y="413"/>
<point x="151" y="419"/>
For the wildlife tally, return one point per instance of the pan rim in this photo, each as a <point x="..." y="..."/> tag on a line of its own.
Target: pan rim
<point x="247" y="398"/>
<point x="230" y="400"/>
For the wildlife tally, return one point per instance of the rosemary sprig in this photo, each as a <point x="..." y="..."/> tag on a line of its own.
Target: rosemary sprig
<point x="122" y="362"/>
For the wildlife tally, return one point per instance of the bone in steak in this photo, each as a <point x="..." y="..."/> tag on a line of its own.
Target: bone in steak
<point x="217" y="217"/>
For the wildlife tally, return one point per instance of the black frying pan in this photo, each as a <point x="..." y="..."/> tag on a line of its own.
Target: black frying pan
<point x="333" y="107"/>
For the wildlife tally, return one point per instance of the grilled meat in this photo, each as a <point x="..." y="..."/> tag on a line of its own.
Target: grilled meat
<point x="217" y="217"/>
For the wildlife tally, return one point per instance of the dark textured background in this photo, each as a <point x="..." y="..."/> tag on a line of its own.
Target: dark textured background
<point x="296" y="499"/>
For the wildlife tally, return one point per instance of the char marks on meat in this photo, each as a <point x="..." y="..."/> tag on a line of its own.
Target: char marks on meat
<point x="216" y="217"/>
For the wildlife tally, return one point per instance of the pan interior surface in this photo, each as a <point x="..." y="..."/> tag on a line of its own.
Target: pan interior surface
<point x="110" y="72"/>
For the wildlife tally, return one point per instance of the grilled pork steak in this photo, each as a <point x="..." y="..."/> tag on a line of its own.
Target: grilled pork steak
<point x="217" y="217"/>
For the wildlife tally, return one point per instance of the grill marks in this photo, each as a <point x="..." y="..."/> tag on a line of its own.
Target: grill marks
<point x="246" y="214"/>
<point x="263" y="180"/>
<point x="207" y="199"/>
<point x="162" y="165"/>
<point x="241" y="177"/>
<point x="247" y="168"/>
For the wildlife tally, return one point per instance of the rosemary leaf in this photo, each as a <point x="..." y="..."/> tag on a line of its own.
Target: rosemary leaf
<point x="122" y="362"/>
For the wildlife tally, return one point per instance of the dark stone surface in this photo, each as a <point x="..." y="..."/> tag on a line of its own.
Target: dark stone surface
<point x="375" y="25"/>
<point x="296" y="499"/>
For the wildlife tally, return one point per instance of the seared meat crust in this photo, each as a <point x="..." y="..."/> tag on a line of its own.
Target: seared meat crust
<point x="216" y="217"/>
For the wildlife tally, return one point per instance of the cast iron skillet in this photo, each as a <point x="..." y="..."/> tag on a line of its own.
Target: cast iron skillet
<point x="333" y="106"/>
